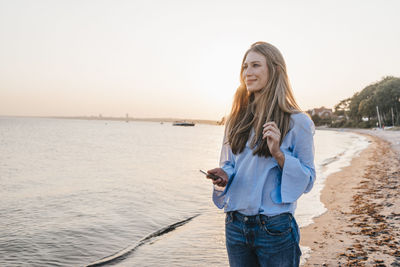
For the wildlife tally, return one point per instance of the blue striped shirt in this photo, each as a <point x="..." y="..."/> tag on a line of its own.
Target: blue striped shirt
<point x="257" y="185"/>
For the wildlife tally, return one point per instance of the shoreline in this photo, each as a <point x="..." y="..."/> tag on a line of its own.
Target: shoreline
<point x="362" y="221"/>
<point x="126" y="119"/>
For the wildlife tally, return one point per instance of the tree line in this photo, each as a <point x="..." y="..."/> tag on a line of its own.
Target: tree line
<point x="377" y="104"/>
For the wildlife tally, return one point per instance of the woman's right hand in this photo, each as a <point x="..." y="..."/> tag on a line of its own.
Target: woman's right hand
<point x="221" y="173"/>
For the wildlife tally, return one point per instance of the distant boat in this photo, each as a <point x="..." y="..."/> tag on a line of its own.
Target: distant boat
<point x="183" y="123"/>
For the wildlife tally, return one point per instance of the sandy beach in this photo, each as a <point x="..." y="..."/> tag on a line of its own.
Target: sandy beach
<point x="362" y="224"/>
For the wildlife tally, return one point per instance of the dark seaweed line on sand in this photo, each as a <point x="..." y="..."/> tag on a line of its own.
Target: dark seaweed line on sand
<point x="121" y="255"/>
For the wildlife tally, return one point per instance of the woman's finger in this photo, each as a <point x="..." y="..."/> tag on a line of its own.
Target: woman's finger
<point x="272" y="132"/>
<point x="217" y="181"/>
<point x="272" y="135"/>
<point x="271" y="127"/>
<point x="270" y="123"/>
<point x="222" y="183"/>
<point x="209" y="177"/>
<point x="267" y="128"/>
<point x="213" y="171"/>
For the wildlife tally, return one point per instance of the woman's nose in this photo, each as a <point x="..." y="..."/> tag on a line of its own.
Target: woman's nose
<point x="249" y="71"/>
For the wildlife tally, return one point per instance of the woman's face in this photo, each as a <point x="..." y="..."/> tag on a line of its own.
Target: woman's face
<point x="255" y="71"/>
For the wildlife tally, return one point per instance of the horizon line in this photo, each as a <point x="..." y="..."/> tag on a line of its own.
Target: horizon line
<point x="92" y="117"/>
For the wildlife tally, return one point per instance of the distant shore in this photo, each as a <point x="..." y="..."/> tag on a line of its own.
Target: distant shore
<point x="127" y="119"/>
<point x="362" y="224"/>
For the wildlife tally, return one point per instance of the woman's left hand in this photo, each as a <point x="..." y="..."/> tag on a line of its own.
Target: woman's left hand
<point x="273" y="135"/>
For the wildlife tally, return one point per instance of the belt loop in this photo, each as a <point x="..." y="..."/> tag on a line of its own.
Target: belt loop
<point x="291" y="216"/>
<point x="258" y="219"/>
<point x="230" y="214"/>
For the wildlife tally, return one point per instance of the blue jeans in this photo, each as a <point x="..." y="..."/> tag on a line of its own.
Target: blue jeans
<point x="261" y="240"/>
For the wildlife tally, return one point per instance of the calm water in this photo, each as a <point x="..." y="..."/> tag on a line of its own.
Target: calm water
<point x="75" y="191"/>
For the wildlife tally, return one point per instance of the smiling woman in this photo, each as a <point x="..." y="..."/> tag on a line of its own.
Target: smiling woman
<point x="267" y="163"/>
<point x="255" y="71"/>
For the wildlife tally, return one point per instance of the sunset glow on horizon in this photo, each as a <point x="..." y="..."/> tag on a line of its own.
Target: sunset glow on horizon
<point x="182" y="59"/>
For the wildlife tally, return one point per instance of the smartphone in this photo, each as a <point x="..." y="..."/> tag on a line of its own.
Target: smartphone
<point x="213" y="176"/>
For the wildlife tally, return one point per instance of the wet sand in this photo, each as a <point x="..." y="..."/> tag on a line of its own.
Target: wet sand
<point x="362" y="224"/>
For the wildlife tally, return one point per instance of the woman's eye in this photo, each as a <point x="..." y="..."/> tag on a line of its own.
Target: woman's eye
<point x="244" y="67"/>
<point x="256" y="65"/>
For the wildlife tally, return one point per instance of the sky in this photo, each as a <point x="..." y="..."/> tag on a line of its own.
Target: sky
<point x="181" y="58"/>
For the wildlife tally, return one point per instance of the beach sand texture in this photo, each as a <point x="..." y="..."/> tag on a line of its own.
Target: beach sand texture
<point x="362" y="224"/>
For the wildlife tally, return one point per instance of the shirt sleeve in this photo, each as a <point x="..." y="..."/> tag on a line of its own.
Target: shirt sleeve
<point x="298" y="172"/>
<point x="227" y="163"/>
<point x="227" y="159"/>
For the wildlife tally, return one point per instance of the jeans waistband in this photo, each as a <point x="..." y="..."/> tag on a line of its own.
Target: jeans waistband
<point x="255" y="218"/>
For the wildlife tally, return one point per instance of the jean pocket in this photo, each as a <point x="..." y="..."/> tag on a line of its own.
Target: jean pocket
<point x="278" y="225"/>
<point x="228" y="218"/>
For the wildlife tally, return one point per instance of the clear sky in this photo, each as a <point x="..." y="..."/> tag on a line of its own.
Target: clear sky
<point x="182" y="58"/>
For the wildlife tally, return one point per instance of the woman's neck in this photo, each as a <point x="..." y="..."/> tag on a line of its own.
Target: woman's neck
<point x="257" y="96"/>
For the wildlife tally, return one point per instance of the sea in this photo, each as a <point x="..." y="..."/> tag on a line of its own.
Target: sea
<point x="116" y="193"/>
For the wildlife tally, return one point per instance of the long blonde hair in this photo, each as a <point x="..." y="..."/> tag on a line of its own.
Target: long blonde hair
<point x="275" y="103"/>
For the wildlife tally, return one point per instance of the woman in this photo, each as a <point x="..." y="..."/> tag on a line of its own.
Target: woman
<point x="267" y="163"/>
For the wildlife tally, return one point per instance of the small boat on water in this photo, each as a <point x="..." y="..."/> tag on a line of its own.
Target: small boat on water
<point x="183" y="123"/>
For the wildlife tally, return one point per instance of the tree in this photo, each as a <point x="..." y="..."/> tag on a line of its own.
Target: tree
<point x="342" y="107"/>
<point x="365" y="94"/>
<point x="385" y="94"/>
<point x="387" y="97"/>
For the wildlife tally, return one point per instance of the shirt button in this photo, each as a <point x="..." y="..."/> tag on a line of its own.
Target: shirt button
<point x="245" y="219"/>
